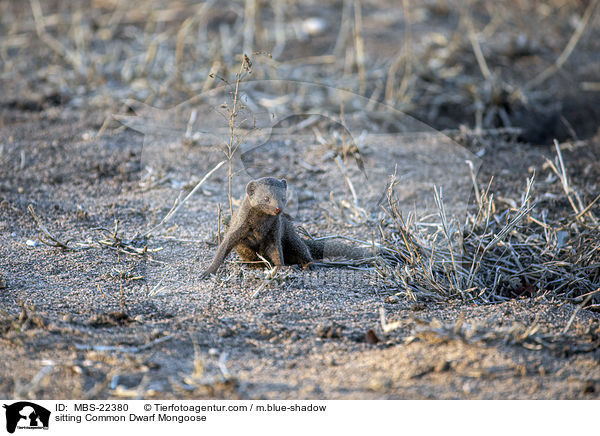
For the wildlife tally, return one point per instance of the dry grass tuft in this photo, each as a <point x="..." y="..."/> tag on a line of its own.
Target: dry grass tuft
<point x="500" y="252"/>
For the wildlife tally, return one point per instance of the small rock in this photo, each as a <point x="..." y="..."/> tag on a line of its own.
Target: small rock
<point x="371" y="337"/>
<point x="392" y="299"/>
<point x="417" y="307"/>
<point x="31" y="243"/>
<point x="226" y="332"/>
<point x="115" y="318"/>
<point x="314" y="26"/>
<point x="589" y="387"/>
<point x="442" y="366"/>
<point x="81" y="214"/>
<point x="380" y="383"/>
<point x="331" y="331"/>
<point x="152" y="365"/>
<point x="295" y="336"/>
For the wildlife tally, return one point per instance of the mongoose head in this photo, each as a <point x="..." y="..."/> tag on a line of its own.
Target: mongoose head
<point x="267" y="194"/>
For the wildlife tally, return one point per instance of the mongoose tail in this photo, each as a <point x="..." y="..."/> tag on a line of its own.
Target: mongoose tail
<point x="321" y="249"/>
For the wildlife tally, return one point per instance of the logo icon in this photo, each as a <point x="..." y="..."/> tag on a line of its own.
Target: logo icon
<point x="26" y="415"/>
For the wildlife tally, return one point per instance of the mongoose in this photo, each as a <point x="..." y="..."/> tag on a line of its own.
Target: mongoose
<point x="260" y="227"/>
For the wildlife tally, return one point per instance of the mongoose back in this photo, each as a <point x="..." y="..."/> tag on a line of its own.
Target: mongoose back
<point x="260" y="227"/>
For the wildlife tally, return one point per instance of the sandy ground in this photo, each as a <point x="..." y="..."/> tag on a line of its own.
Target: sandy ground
<point x="103" y="332"/>
<point x="94" y="322"/>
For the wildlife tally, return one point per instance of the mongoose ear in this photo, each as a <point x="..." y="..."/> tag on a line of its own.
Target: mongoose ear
<point x="284" y="183"/>
<point x="250" y="188"/>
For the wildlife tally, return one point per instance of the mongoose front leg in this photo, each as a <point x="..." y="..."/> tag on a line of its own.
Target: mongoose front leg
<point x="274" y="253"/>
<point x="274" y="250"/>
<point x="296" y="250"/>
<point x="224" y="249"/>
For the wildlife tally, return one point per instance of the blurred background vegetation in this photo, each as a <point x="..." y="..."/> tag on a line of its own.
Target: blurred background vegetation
<point x="531" y="68"/>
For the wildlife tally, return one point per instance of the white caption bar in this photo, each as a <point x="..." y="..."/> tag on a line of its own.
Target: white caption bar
<point x="270" y="417"/>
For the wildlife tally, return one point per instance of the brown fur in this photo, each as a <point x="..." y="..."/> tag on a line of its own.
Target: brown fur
<point x="259" y="227"/>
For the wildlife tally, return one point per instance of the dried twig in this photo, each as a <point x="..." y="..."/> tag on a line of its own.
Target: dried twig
<point x="559" y="62"/>
<point x="121" y="349"/>
<point x="483" y="66"/>
<point x="576" y="311"/>
<point x="359" y="47"/>
<point x="178" y="204"/>
<point x="52" y="241"/>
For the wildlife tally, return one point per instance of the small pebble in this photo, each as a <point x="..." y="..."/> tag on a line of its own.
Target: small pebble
<point x="314" y="26"/>
<point x="226" y="332"/>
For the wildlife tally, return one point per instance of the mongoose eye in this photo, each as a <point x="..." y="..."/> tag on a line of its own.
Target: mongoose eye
<point x="266" y="199"/>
